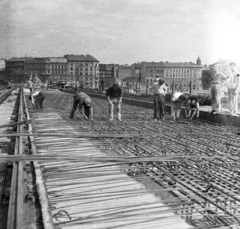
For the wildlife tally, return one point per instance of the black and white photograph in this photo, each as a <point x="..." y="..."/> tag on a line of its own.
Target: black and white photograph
<point x="119" y="114"/>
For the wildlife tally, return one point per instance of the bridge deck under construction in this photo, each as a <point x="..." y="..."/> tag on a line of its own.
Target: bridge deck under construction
<point x="93" y="194"/>
<point x="131" y="174"/>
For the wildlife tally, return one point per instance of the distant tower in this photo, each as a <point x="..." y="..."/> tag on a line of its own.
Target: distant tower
<point x="199" y="61"/>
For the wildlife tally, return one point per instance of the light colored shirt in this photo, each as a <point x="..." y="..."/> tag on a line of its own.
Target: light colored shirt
<point x="176" y="95"/>
<point x="30" y="83"/>
<point x="37" y="82"/>
<point x="219" y="78"/>
<point x="233" y="80"/>
<point x="36" y="93"/>
<point x="157" y="89"/>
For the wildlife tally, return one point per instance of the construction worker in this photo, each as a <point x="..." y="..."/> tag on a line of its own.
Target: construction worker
<point x="36" y="83"/>
<point x="233" y="84"/>
<point x="156" y="78"/>
<point x="82" y="100"/>
<point x="114" y="96"/>
<point x="102" y="83"/>
<point x="30" y="84"/>
<point x="159" y="90"/>
<point x="37" y="99"/>
<point x="219" y="79"/>
<point x="178" y="99"/>
<point x="193" y="105"/>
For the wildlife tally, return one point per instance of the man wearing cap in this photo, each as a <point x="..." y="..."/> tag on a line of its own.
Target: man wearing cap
<point x="114" y="96"/>
<point x="82" y="100"/>
<point x="178" y="99"/>
<point x="159" y="90"/>
<point x="218" y="79"/>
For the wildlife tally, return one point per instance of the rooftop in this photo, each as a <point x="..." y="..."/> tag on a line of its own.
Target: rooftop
<point x="82" y="58"/>
<point x="15" y="59"/>
<point x="56" y="60"/>
<point x="173" y="64"/>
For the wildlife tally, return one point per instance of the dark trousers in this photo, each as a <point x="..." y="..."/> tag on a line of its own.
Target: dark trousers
<point x="159" y="103"/>
<point x="39" y="100"/>
<point x="74" y="107"/>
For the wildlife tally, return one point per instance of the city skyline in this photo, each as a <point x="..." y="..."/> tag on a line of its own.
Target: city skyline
<point x="123" y="31"/>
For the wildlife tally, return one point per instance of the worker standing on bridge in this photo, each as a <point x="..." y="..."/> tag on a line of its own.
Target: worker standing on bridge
<point x="218" y="80"/>
<point x="233" y="84"/>
<point x="36" y="83"/>
<point x="114" y="96"/>
<point x="193" y="105"/>
<point x="82" y="100"/>
<point x="159" y="90"/>
<point x="30" y="84"/>
<point x="178" y="99"/>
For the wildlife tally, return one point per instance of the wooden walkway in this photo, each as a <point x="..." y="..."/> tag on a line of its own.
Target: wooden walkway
<point x="93" y="195"/>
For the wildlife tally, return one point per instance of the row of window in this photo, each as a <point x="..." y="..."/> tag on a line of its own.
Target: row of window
<point x="56" y="72"/>
<point x="181" y="75"/>
<point x="155" y="70"/>
<point x="81" y="73"/>
<point x="181" y="70"/>
<point x="58" y="66"/>
<point x="83" y="64"/>
<point x="35" y="66"/>
<point x="181" y="80"/>
<point x="167" y="81"/>
<point x="82" y="69"/>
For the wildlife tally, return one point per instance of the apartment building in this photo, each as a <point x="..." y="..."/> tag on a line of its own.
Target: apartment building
<point x="56" y="69"/>
<point x="84" y="69"/>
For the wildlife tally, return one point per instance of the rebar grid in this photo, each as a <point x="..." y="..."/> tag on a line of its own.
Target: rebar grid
<point x="206" y="189"/>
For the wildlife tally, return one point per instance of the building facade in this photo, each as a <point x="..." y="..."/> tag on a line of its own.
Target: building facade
<point x="84" y="69"/>
<point x="15" y="67"/>
<point x="56" y="69"/>
<point x="2" y="64"/>
<point x="36" y="67"/>
<point x="106" y="71"/>
<point x="181" y="74"/>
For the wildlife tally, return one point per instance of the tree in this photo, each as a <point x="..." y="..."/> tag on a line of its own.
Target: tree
<point x="206" y="79"/>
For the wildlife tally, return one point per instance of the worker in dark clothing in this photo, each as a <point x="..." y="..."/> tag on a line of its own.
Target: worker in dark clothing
<point x="37" y="99"/>
<point x="193" y="105"/>
<point x="82" y="100"/>
<point x="114" y="96"/>
<point x="102" y="85"/>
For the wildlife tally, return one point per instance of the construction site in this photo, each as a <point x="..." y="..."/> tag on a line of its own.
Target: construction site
<point x="58" y="172"/>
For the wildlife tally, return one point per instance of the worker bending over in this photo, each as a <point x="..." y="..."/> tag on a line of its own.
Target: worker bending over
<point x="82" y="100"/>
<point x="37" y="99"/>
<point x="114" y="96"/>
<point x="193" y="105"/>
<point x="178" y="99"/>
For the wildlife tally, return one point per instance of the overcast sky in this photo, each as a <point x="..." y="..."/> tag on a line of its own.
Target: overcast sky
<point x="122" y="31"/>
